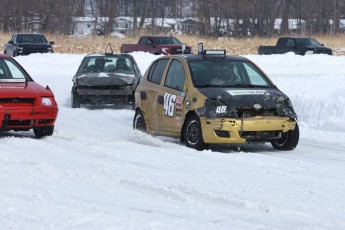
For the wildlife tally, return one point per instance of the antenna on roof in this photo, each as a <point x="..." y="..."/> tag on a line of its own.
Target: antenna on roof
<point x="200" y="48"/>
<point x="111" y="49"/>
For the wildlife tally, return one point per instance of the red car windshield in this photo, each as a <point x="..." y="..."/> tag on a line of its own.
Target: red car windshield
<point x="10" y="71"/>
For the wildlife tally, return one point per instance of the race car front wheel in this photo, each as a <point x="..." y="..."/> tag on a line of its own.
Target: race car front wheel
<point x="139" y="122"/>
<point x="288" y="141"/>
<point x="192" y="133"/>
<point x="43" y="131"/>
<point x="75" y="100"/>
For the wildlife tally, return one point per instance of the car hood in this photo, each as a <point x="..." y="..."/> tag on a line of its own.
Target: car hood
<point x="316" y="48"/>
<point x="35" y="44"/>
<point x="24" y="90"/>
<point x="105" y="79"/>
<point x="175" y="45"/>
<point x="241" y="99"/>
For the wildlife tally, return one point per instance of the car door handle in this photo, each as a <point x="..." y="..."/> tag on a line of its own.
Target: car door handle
<point x="143" y="95"/>
<point x="161" y="100"/>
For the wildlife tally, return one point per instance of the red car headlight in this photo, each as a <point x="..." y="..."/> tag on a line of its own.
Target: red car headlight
<point x="46" y="101"/>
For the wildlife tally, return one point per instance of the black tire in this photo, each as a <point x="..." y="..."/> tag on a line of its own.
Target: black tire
<point x="192" y="133"/>
<point x="132" y="99"/>
<point x="44" y="131"/>
<point x="288" y="141"/>
<point x="75" y="100"/>
<point x="139" y="121"/>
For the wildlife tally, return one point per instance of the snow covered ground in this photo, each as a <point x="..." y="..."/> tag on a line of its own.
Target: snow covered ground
<point x="95" y="172"/>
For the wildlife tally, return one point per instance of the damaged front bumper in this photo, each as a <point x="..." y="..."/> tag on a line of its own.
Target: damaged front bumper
<point x="105" y="92"/>
<point x="239" y="131"/>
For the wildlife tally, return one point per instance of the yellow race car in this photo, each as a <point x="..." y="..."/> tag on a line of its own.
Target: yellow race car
<point x="212" y="98"/>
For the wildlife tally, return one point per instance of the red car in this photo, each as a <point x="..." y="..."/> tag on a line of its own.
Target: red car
<point x="24" y="104"/>
<point x="166" y="45"/>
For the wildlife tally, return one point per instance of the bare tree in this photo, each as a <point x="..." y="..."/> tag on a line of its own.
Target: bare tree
<point x="143" y="16"/>
<point x="255" y="17"/>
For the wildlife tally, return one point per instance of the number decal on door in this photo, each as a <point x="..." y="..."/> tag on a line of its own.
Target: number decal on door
<point x="169" y="104"/>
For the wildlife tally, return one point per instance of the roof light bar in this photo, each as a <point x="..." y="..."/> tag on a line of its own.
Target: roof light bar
<point x="215" y="52"/>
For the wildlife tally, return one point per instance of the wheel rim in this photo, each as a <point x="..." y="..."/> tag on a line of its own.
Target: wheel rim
<point x="282" y="141"/>
<point x="139" y="123"/>
<point x="193" y="134"/>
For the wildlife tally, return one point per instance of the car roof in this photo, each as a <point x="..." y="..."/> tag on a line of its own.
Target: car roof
<point x="158" y="36"/>
<point x="4" y="56"/>
<point x="28" y="34"/>
<point x="299" y="37"/>
<point x="108" y="55"/>
<point x="200" y="57"/>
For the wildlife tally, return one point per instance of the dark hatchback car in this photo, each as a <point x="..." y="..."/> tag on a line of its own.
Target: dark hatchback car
<point x="27" y="43"/>
<point x="213" y="98"/>
<point x="105" y="79"/>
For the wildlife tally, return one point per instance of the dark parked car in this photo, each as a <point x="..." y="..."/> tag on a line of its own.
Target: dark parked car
<point x="105" y="79"/>
<point x="24" y="104"/>
<point x="297" y="45"/>
<point x="27" y="43"/>
<point x="213" y="98"/>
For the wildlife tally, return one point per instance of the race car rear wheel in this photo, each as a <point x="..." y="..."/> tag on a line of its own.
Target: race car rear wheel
<point x="288" y="141"/>
<point x="192" y="133"/>
<point x="139" y="122"/>
<point x="43" y="131"/>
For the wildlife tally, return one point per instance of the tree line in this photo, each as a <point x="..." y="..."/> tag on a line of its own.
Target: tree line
<point x="215" y="17"/>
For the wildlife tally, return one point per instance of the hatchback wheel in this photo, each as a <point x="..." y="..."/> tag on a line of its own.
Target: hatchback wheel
<point x="139" y="122"/>
<point x="192" y="133"/>
<point x="288" y="141"/>
<point x="76" y="100"/>
<point x="43" y="131"/>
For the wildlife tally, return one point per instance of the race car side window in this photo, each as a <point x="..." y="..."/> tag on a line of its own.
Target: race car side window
<point x="157" y="70"/>
<point x="176" y="77"/>
<point x="2" y="70"/>
<point x="255" y="77"/>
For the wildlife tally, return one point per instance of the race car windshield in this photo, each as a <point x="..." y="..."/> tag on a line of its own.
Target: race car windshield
<point x="225" y="73"/>
<point x="10" y="71"/>
<point x="107" y="64"/>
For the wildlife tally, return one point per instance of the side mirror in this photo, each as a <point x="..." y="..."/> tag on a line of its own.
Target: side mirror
<point x="51" y="43"/>
<point x="322" y="45"/>
<point x="10" y="42"/>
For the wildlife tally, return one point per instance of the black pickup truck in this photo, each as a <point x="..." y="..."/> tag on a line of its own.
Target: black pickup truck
<point x="27" y="43"/>
<point x="297" y="45"/>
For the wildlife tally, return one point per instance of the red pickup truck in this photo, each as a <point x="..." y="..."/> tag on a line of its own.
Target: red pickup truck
<point x="157" y="45"/>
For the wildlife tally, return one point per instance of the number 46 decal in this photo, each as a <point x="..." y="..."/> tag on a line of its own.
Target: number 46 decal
<point x="169" y="104"/>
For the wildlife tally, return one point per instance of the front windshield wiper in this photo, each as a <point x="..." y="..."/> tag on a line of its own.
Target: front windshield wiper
<point x="244" y="85"/>
<point x="209" y="85"/>
<point x="237" y="85"/>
